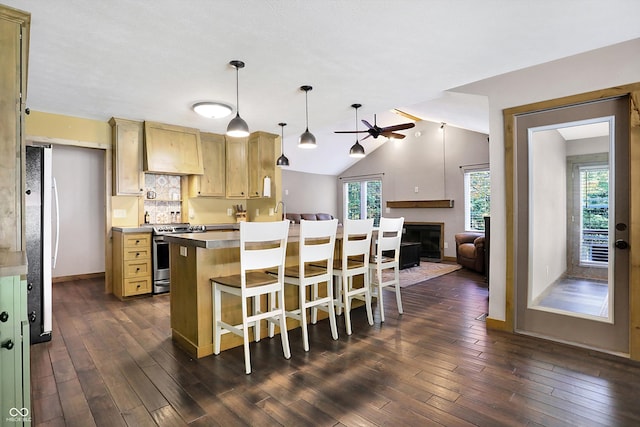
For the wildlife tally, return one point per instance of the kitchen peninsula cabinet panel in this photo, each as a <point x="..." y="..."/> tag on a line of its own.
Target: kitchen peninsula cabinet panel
<point x="261" y="147"/>
<point x="172" y="149"/>
<point x="14" y="47"/>
<point x="131" y="264"/>
<point x="127" y="136"/>
<point x="212" y="182"/>
<point x="237" y="168"/>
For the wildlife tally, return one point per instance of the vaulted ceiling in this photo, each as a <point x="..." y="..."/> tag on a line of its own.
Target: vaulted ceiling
<point x="152" y="59"/>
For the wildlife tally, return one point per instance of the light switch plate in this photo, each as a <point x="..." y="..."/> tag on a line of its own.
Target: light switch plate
<point x="183" y="251"/>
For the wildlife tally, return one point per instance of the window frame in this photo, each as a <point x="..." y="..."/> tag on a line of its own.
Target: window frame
<point x="467" y="172"/>
<point x="363" y="180"/>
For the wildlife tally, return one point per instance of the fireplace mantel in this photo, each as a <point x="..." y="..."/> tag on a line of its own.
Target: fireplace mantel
<point x="447" y="203"/>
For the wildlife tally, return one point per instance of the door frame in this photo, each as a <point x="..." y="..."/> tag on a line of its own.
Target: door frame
<point x="633" y="91"/>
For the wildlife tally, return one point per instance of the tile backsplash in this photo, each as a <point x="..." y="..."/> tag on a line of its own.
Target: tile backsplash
<point x="162" y="198"/>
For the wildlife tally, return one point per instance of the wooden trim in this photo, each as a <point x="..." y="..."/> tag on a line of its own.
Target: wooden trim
<point x="62" y="279"/>
<point x="420" y="204"/>
<point x="407" y="115"/>
<point x="633" y="91"/>
<point x="634" y="224"/>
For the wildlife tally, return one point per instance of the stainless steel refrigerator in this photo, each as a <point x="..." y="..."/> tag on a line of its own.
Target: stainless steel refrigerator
<point x="40" y="198"/>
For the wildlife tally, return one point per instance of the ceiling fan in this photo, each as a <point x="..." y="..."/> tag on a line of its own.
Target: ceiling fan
<point x="375" y="130"/>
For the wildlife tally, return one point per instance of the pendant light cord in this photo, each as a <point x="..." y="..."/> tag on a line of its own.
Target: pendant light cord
<point x="306" y="107"/>
<point x="237" y="92"/>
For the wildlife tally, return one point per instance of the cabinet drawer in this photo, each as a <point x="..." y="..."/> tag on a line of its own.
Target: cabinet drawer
<point x="137" y="240"/>
<point x="137" y="268"/>
<point x="137" y="286"/>
<point x="136" y="254"/>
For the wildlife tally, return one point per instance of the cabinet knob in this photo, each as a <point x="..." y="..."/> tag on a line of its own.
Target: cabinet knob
<point x="137" y="269"/>
<point x="137" y="241"/>
<point x="137" y="254"/>
<point x="4" y="316"/>
<point x="7" y="344"/>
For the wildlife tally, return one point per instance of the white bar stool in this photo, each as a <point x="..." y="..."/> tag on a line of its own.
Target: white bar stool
<point x="354" y="261"/>
<point x="262" y="246"/>
<point x="389" y="238"/>
<point x="316" y="245"/>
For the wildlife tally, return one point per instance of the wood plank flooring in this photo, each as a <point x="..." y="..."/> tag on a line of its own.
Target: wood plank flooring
<point x="112" y="363"/>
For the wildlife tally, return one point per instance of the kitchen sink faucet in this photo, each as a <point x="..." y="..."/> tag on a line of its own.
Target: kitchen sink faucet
<point x="284" y="209"/>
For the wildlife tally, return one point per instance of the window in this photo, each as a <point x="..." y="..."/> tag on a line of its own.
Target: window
<point x="363" y="199"/>
<point x="594" y="214"/>
<point x="477" y="198"/>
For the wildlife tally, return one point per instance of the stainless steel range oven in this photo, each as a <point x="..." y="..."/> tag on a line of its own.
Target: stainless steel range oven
<point x="160" y="253"/>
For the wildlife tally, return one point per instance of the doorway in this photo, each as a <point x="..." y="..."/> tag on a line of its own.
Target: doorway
<point x="571" y="224"/>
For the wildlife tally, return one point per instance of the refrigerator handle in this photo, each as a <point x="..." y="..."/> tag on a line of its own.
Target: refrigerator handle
<point x="55" y="196"/>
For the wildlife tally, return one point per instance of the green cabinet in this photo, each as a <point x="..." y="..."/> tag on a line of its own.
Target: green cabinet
<point x="15" y="402"/>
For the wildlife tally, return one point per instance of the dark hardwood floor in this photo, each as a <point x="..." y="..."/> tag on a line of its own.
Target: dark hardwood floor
<point x="113" y="363"/>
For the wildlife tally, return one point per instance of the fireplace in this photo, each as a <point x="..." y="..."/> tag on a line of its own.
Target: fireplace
<point x="429" y="235"/>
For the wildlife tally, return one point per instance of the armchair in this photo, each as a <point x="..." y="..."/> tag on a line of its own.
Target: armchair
<point x="470" y="251"/>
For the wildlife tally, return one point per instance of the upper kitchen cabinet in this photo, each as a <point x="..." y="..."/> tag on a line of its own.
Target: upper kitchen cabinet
<point x="212" y="182"/>
<point x="172" y="149"/>
<point x="237" y="168"/>
<point x="14" y="48"/>
<point x="261" y="147"/>
<point x="127" y="135"/>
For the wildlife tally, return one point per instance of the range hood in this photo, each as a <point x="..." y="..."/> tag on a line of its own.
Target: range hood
<point x="170" y="149"/>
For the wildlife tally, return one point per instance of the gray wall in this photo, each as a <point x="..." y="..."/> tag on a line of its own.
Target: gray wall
<point x="420" y="161"/>
<point x="309" y="193"/>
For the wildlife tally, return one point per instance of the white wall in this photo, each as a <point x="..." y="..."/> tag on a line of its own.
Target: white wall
<point x="599" y="69"/>
<point x="547" y="210"/>
<point x="309" y="193"/>
<point x="80" y="175"/>
<point x="419" y="161"/>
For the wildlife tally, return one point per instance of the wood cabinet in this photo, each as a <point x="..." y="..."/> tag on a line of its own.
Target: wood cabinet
<point x="261" y="158"/>
<point x="14" y="45"/>
<point x="237" y="168"/>
<point x="14" y="352"/>
<point x="132" y="271"/>
<point x="212" y="182"/>
<point x="172" y="149"/>
<point x="127" y="136"/>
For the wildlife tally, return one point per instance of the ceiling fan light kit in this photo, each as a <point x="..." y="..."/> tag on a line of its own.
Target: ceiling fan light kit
<point x="307" y="140"/>
<point x="282" y="160"/>
<point x="237" y="126"/>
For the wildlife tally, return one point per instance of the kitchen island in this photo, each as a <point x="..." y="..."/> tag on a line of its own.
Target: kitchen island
<point x="195" y="259"/>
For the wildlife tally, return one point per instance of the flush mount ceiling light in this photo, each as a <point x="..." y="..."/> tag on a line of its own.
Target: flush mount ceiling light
<point x="307" y="140"/>
<point x="212" y="110"/>
<point x="237" y="126"/>
<point x="356" y="150"/>
<point x="282" y="160"/>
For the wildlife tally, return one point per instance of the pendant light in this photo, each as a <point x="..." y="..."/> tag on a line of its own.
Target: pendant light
<point x="307" y="140"/>
<point x="237" y="126"/>
<point x="357" y="150"/>
<point x="282" y="160"/>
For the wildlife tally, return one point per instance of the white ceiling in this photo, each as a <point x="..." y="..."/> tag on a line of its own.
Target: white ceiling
<point x="152" y="59"/>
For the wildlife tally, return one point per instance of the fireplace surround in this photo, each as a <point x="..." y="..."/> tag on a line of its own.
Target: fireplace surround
<point x="430" y="235"/>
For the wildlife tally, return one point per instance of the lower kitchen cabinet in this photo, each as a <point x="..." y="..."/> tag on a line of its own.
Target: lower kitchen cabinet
<point x="132" y="274"/>
<point x="15" y="389"/>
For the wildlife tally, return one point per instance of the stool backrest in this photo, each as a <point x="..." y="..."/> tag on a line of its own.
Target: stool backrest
<point x="390" y="236"/>
<point x="356" y="239"/>
<point x="317" y="241"/>
<point x="263" y="244"/>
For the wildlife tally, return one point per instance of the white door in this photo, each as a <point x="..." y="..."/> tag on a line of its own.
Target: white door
<point x="571" y="220"/>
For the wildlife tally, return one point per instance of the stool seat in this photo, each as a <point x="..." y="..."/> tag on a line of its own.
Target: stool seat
<point x="253" y="279"/>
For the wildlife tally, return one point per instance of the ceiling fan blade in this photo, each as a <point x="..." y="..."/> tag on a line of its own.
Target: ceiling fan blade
<point x="399" y="127"/>
<point x="393" y="135"/>
<point x="349" y="131"/>
<point x="367" y="124"/>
